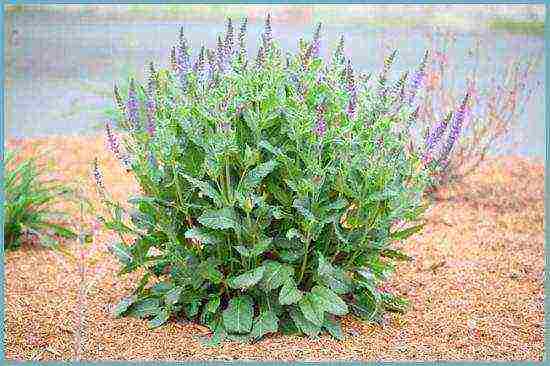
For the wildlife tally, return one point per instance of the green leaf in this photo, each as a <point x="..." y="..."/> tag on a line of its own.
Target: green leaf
<point x="247" y="279"/>
<point x="330" y="302"/>
<point x="303" y="324"/>
<point x="205" y="188"/>
<point x="406" y="233"/>
<point x="333" y="327"/>
<point x="289" y="294"/>
<point x="334" y="277"/>
<point x="312" y="308"/>
<point x="219" y="334"/>
<point x="394" y="303"/>
<point x="243" y="251"/>
<point x="265" y="323"/>
<point x="275" y="275"/>
<point x="159" y="320"/>
<point x="213" y="304"/>
<point x="173" y="296"/>
<point x="395" y="254"/>
<point x="208" y="271"/>
<point x="293" y="233"/>
<point x="219" y="219"/>
<point x="202" y="235"/>
<point x="122" y="252"/>
<point x="255" y="176"/>
<point x="146" y="308"/>
<point x="123" y="305"/>
<point x="237" y="318"/>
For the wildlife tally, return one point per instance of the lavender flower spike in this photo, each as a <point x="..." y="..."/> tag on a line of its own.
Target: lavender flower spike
<point x="132" y="106"/>
<point x="267" y="29"/>
<point x="114" y="146"/>
<point x="320" y="127"/>
<point x="316" y="44"/>
<point x="182" y="58"/>
<point x="151" y="107"/>
<point x="435" y="135"/>
<point x="242" y="40"/>
<point x="228" y="42"/>
<point x="455" y="128"/>
<point x="418" y="78"/>
<point x="98" y="177"/>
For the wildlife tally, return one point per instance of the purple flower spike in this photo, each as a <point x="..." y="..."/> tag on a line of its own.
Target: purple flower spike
<point x="132" y="106"/>
<point x="118" y="100"/>
<point x="418" y="78"/>
<point x="456" y="127"/>
<point x="435" y="135"/>
<point x="151" y="106"/>
<point x="242" y="40"/>
<point x="112" y="140"/>
<point x="182" y="59"/>
<point x="114" y="146"/>
<point x="228" y="43"/>
<point x="260" y="59"/>
<point x="320" y="127"/>
<point x="267" y="29"/>
<point x="316" y="44"/>
<point x="211" y="64"/>
<point x="98" y="177"/>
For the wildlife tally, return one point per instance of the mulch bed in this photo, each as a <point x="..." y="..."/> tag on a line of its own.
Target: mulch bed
<point x="475" y="285"/>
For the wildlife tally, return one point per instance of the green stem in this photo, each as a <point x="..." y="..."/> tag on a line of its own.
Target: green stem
<point x="304" y="262"/>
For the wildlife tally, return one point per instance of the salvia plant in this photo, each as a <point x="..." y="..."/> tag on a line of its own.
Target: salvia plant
<point x="275" y="187"/>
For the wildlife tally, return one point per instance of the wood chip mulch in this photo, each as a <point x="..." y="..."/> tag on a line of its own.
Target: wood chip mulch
<point x="475" y="284"/>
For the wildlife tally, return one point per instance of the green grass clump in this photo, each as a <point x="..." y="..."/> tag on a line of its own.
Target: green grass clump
<point x="29" y="203"/>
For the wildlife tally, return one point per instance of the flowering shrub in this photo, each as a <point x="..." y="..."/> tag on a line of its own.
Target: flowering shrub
<point x="274" y="189"/>
<point x="455" y="145"/>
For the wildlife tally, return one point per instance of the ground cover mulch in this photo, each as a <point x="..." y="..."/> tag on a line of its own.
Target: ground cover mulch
<point x="475" y="284"/>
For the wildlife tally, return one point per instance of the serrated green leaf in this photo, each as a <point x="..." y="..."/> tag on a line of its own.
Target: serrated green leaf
<point x="255" y="176"/>
<point x="330" y="302"/>
<point x="206" y="188"/>
<point x="159" y="320"/>
<point x="173" y="296"/>
<point x="122" y="252"/>
<point x="237" y="318"/>
<point x="208" y="271"/>
<point x="202" y="236"/>
<point x="213" y="304"/>
<point x="124" y="305"/>
<point x="312" y="308"/>
<point x="145" y="308"/>
<point x="275" y="275"/>
<point x="264" y="324"/>
<point x="304" y="325"/>
<point x="395" y="254"/>
<point x="406" y="233"/>
<point x="333" y="327"/>
<point x="289" y="294"/>
<point x="219" y="219"/>
<point x="333" y="277"/>
<point x="247" y="279"/>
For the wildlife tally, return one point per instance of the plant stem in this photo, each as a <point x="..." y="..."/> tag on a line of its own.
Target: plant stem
<point x="304" y="262"/>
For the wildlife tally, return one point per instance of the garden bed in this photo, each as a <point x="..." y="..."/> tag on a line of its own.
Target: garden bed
<point x="475" y="285"/>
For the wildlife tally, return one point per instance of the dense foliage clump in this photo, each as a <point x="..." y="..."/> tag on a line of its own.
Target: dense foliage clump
<point x="30" y="200"/>
<point x="274" y="188"/>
